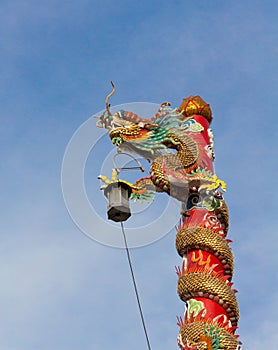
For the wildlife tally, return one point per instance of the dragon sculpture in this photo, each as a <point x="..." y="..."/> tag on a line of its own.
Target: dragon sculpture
<point x="179" y="145"/>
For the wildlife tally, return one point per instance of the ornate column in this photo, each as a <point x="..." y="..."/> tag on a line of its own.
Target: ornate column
<point x="204" y="279"/>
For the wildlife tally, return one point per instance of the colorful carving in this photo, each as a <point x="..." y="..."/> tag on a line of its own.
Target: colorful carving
<point x="204" y="279"/>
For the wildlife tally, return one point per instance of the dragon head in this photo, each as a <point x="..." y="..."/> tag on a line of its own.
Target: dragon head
<point x="126" y="130"/>
<point x="108" y="120"/>
<point x="120" y="120"/>
<point x="129" y="131"/>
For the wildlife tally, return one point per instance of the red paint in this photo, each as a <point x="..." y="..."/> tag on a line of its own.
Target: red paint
<point x="203" y="140"/>
<point x="203" y="218"/>
<point x="200" y="259"/>
<point x="213" y="309"/>
<point x="142" y="133"/>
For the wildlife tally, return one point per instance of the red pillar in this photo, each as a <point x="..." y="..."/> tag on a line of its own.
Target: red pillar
<point x="204" y="282"/>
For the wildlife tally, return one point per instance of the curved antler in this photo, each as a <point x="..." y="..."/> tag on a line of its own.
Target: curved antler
<point x="108" y="96"/>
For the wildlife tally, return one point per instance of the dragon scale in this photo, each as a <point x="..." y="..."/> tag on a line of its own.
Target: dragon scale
<point x="179" y="144"/>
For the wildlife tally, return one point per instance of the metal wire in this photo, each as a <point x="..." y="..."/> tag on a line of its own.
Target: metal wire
<point x="127" y="168"/>
<point x="135" y="288"/>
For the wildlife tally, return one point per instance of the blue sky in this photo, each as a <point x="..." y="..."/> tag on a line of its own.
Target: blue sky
<point x="61" y="290"/>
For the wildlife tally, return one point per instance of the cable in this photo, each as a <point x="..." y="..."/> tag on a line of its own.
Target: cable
<point x="135" y="288"/>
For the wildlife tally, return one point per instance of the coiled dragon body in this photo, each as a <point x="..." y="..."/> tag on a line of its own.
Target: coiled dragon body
<point x="204" y="283"/>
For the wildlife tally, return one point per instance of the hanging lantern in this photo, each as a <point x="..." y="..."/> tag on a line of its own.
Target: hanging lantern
<point x="118" y="194"/>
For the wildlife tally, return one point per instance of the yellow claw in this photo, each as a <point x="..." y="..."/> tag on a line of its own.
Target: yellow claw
<point x="106" y="181"/>
<point x="114" y="175"/>
<point x="215" y="183"/>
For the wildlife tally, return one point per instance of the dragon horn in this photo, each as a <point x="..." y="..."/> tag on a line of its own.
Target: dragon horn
<point x="108" y="96"/>
<point x="164" y="104"/>
<point x="98" y="123"/>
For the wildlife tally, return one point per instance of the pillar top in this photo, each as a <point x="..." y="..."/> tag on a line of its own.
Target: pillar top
<point x="196" y="105"/>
